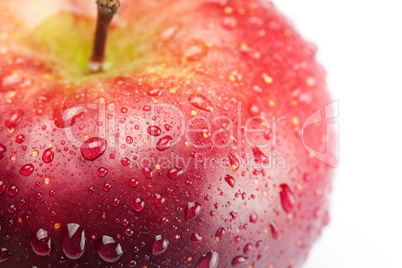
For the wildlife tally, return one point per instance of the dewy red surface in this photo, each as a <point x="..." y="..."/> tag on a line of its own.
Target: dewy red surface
<point x="180" y="122"/>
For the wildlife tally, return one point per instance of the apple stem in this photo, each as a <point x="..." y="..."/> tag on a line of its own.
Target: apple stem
<point x="106" y="10"/>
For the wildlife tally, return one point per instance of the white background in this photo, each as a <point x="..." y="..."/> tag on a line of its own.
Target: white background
<point x="360" y="44"/>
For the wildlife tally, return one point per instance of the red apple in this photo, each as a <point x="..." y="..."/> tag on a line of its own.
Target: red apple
<point x="188" y="149"/>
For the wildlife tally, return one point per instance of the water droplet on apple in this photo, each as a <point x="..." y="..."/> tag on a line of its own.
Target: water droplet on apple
<point x="13" y="118"/>
<point x="12" y="81"/>
<point x="125" y="222"/>
<point x="254" y="54"/>
<point x="27" y="170"/>
<point x="169" y="32"/>
<point x="147" y="173"/>
<point x="41" y="242"/>
<point x="195" y="50"/>
<point x="305" y="98"/>
<point x="159" y="245"/>
<point x="2" y="187"/>
<point x="306" y="177"/>
<point x="64" y="118"/>
<point x="268" y="134"/>
<point x="274" y="230"/>
<point x="73" y="241"/>
<point x="230" y="180"/>
<point x="115" y="202"/>
<point x="196" y="237"/>
<point x="62" y="259"/>
<point x="4" y="255"/>
<point x="133" y="182"/>
<point x="129" y="232"/>
<point x="209" y="260"/>
<point x="193" y="209"/>
<point x="11" y="208"/>
<point x="201" y="102"/>
<point x="254" y="110"/>
<point x="229" y="23"/>
<point x="39" y="196"/>
<point x="239" y="260"/>
<point x="247" y="248"/>
<point x="174" y="173"/>
<point x="19" y="139"/>
<point x="302" y="97"/>
<point x="164" y="143"/>
<point x="234" y="162"/>
<point x="108" y="249"/>
<point x="13" y="190"/>
<point x="163" y="221"/>
<point x="107" y="186"/>
<point x="220" y="232"/>
<point x="91" y="190"/>
<point x="129" y="140"/>
<point x="253" y="218"/>
<point x="138" y="204"/>
<point x="155" y="92"/>
<point x="48" y="155"/>
<point x="125" y="162"/>
<point x="287" y="198"/>
<point x="102" y="172"/>
<point x="233" y="214"/>
<point x="3" y="151"/>
<point x="93" y="148"/>
<point x="159" y="200"/>
<point x="154" y="131"/>
<point x="260" y="156"/>
<point x="168" y="127"/>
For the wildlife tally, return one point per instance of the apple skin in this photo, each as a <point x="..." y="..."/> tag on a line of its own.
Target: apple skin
<point x="241" y="58"/>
